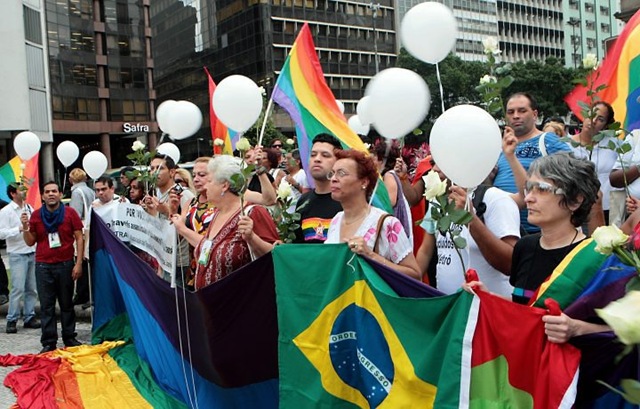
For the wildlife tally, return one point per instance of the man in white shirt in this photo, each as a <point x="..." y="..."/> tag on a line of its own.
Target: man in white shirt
<point x="490" y="236"/>
<point x="21" y="262"/>
<point x="106" y="202"/>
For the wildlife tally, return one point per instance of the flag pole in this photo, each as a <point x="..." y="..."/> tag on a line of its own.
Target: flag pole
<point x="267" y="112"/>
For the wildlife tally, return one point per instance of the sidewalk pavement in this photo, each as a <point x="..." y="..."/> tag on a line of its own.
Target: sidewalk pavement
<point x="27" y="341"/>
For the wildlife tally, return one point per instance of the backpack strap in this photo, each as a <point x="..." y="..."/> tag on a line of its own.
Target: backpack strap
<point x="379" y="232"/>
<point x="541" y="145"/>
<point x="477" y="201"/>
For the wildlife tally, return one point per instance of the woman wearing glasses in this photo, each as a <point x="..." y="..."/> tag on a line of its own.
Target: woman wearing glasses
<point x="367" y="230"/>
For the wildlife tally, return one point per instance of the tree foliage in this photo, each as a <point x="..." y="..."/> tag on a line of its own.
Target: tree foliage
<point x="548" y="81"/>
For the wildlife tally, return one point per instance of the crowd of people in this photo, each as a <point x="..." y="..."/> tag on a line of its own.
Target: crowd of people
<point x="545" y="197"/>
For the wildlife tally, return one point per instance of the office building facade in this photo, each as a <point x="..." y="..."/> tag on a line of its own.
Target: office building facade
<point x="253" y="38"/>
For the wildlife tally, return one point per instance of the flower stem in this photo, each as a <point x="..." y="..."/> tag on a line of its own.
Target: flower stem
<point x="464" y="269"/>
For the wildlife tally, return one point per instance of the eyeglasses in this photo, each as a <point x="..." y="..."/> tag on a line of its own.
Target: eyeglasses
<point x="339" y="174"/>
<point x="541" y="188"/>
<point x="180" y="181"/>
<point x="276" y="146"/>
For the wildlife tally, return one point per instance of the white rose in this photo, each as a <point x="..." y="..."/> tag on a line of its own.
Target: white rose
<point x="284" y="190"/>
<point x="218" y="142"/>
<point x="243" y="145"/>
<point x="434" y="187"/>
<point x="290" y="142"/>
<point x="623" y="316"/>
<point x="137" y="146"/>
<point x="488" y="79"/>
<point x="491" y="46"/>
<point x="590" y="61"/>
<point x="608" y="237"/>
<point x="263" y="92"/>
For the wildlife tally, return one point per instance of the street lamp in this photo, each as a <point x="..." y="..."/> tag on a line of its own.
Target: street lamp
<point x="574" y="22"/>
<point x="375" y="7"/>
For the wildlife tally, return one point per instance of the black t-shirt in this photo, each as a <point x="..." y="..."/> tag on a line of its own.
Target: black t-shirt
<point x="315" y="216"/>
<point x="254" y="183"/>
<point x="531" y="265"/>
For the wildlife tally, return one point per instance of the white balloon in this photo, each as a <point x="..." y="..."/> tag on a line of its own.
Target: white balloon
<point x="357" y="126"/>
<point x="162" y="114"/>
<point x="170" y="150"/>
<point x="94" y="163"/>
<point x="237" y="102"/>
<point x="364" y="110"/>
<point x="183" y="120"/>
<point x="399" y="101"/>
<point x="429" y="31"/>
<point x="465" y="143"/>
<point x="340" y="105"/>
<point x="67" y="153"/>
<point x="26" y="144"/>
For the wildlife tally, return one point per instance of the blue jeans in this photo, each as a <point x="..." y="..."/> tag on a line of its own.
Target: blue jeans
<point x="23" y="284"/>
<point x="55" y="283"/>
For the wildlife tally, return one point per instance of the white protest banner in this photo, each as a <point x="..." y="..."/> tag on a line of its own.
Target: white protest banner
<point x="156" y="236"/>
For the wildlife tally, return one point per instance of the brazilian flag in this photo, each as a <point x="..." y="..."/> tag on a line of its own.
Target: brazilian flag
<point x="346" y="339"/>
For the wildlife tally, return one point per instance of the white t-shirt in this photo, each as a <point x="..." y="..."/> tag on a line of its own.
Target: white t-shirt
<point x="630" y="158"/>
<point x="604" y="159"/>
<point x="502" y="218"/>
<point x="393" y="245"/>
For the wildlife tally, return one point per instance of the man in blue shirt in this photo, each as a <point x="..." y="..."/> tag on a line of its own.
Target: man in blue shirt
<point x="521" y="114"/>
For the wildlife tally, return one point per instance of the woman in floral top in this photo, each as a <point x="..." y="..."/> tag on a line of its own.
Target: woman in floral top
<point x="368" y="231"/>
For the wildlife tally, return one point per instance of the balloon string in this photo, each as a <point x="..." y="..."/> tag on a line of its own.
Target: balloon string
<point x="440" y="85"/>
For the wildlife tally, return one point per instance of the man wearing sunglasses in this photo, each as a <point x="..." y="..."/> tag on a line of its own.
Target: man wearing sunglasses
<point x="521" y="115"/>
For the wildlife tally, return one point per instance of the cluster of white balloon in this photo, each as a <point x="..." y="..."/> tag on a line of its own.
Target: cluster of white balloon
<point x="465" y="141"/>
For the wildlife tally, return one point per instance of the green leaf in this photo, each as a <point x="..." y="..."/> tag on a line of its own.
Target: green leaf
<point x="583" y="105"/>
<point x="631" y="387"/>
<point x="444" y="224"/>
<point x="460" y="242"/>
<point x="465" y="219"/>
<point x="506" y="81"/>
<point x="295" y="216"/>
<point x="624" y="148"/>
<point x="601" y="87"/>
<point x="580" y="81"/>
<point x="612" y="145"/>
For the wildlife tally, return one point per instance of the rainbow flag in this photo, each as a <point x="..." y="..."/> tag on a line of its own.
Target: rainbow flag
<point x="620" y="72"/>
<point x="10" y="173"/>
<point x="302" y="91"/>
<point x="218" y="129"/>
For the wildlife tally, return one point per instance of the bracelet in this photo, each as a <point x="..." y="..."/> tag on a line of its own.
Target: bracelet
<point x="261" y="170"/>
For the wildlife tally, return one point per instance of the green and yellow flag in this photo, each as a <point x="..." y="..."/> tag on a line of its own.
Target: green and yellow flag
<point x="346" y="339"/>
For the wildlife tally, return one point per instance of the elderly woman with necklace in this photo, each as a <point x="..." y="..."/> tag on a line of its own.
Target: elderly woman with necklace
<point x="369" y="231"/>
<point x="233" y="237"/>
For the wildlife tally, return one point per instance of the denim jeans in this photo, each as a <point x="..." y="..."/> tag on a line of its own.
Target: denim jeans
<point x="55" y="283"/>
<point x="23" y="285"/>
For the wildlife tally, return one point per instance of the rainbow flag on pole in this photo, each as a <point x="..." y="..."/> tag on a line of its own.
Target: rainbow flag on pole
<point x="218" y="129"/>
<point x="10" y="173"/>
<point x="302" y="91"/>
<point x="620" y="71"/>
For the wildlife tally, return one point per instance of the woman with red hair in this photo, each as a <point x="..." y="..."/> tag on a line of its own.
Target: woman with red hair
<point x="369" y="231"/>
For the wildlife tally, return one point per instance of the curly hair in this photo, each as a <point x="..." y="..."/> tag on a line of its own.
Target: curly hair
<point x="380" y="148"/>
<point x="364" y="163"/>
<point x="273" y="157"/>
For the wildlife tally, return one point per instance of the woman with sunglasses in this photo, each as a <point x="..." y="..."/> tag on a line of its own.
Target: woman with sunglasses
<point x="368" y="231"/>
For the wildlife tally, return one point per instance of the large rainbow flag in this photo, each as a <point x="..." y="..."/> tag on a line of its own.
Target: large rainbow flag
<point x="218" y="129"/>
<point x="278" y="333"/>
<point x="620" y="72"/>
<point x="10" y="173"/>
<point x="303" y="92"/>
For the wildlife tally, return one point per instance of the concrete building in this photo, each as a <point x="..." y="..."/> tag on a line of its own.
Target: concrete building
<point x="81" y="70"/>
<point x="588" y="25"/>
<point x="253" y="38"/>
<point x="476" y="20"/>
<point x="24" y="78"/>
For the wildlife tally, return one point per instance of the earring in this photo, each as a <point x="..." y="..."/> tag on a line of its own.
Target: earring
<point x="222" y="194"/>
<point x="363" y="187"/>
